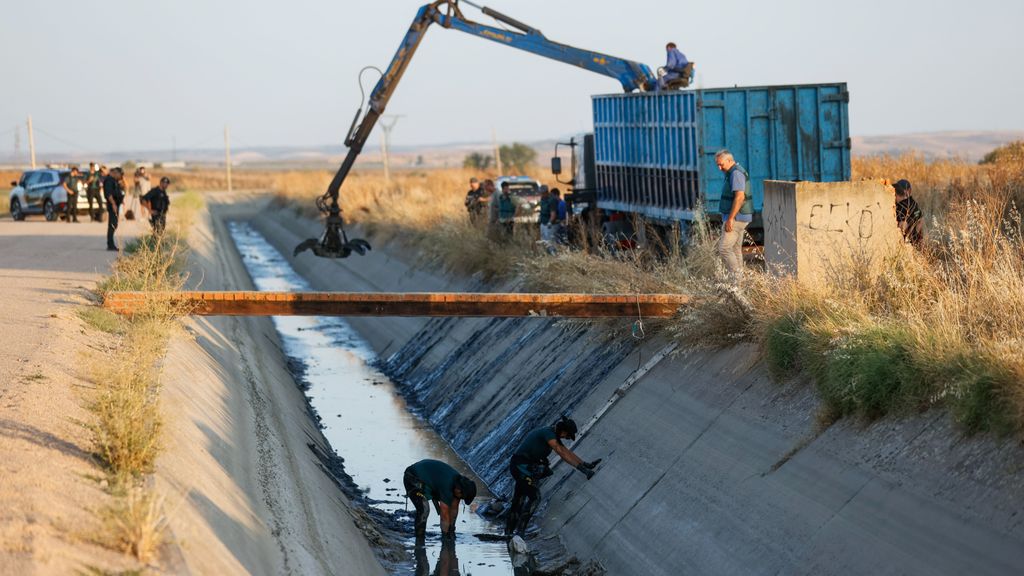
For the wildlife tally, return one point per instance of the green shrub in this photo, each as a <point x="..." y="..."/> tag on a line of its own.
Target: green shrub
<point x="871" y="372"/>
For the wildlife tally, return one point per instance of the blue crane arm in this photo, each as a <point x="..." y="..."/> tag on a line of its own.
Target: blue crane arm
<point x="632" y="76"/>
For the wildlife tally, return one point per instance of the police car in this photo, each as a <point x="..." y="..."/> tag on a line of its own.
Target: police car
<point x="42" y="192"/>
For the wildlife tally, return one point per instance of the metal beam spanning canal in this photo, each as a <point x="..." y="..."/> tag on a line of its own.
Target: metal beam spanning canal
<point x="251" y="303"/>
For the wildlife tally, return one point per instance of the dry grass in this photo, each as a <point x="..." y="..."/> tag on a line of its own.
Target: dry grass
<point x="136" y="525"/>
<point x="126" y="426"/>
<point x="943" y="326"/>
<point x="127" y="423"/>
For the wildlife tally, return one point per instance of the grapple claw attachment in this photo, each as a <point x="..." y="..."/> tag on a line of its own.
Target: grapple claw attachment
<point x="334" y="243"/>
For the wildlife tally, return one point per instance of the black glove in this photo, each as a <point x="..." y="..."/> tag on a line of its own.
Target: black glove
<point x="591" y="465"/>
<point x="586" y="471"/>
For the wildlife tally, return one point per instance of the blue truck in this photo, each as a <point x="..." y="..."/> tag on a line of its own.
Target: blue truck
<point x="653" y="153"/>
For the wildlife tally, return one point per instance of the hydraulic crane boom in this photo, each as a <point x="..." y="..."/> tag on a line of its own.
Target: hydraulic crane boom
<point x="334" y="243"/>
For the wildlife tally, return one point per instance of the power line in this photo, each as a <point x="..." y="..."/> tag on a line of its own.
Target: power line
<point x="61" y="140"/>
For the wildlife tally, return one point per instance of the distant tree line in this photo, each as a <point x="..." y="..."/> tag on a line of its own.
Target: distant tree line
<point x="1006" y="152"/>
<point x="515" y="158"/>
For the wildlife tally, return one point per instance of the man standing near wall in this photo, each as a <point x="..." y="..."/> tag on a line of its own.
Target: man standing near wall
<point x="530" y="464"/>
<point x="737" y="209"/>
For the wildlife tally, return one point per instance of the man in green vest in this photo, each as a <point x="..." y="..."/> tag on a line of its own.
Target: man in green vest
<point x="72" y="183"/>
<point x="737" y="209"/>
<point x="434" y="481"/>
<point x="506" y="210"/>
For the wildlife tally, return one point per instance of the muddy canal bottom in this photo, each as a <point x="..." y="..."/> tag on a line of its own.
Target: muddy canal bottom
<point x="367" y="421"/>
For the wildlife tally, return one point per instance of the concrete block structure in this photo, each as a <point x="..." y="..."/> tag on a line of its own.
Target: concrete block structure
<point x="814" y="228"/>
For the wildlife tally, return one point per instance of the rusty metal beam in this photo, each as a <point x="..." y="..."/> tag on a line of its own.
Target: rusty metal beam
<point x="402" y="304"/>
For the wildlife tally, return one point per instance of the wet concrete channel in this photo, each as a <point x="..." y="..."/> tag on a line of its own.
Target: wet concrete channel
<point x="368" y="422"/>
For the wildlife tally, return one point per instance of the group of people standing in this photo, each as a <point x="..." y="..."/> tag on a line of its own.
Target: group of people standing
<point x="434" y="482"/>
<point x="501" y="210"/>
<point x="108" y="188"/>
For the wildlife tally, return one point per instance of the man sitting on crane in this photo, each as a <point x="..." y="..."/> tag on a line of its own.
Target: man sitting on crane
<point x="678" y="70"/>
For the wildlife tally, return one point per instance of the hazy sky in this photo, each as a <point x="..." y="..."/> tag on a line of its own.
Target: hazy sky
<point x="135" y="74"/>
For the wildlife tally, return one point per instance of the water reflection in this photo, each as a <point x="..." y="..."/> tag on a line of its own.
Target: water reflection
<point x="367" y="421"/>
<point x="447" y="561"/>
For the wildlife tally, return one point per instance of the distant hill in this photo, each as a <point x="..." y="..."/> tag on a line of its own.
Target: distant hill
<point x="971" y="146"/>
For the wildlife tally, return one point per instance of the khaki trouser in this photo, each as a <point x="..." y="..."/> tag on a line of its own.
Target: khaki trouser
<point x="730" y="248"/>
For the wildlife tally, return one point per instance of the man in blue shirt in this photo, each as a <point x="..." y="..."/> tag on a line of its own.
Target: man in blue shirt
<point x="675" y="67"/>
<point x="530" y="464"/>
<point x="434" y="481"/>
<point x="737" y="209"/>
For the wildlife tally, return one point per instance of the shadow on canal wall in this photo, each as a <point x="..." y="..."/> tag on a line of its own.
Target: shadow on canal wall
<point x="709" y="466"/>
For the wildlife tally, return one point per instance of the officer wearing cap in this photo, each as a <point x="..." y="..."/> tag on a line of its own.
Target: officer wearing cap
<point x="157" y="202"/>
<point x="434" y="481"/>
<point x="474" y="203"/>
<point x="908" y="214"/>
<point x="530" y="464"/>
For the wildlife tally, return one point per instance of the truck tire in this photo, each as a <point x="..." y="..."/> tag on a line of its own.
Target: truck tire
<point x="49" y="211"/>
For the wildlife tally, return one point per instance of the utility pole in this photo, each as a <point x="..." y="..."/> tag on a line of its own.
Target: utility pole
<point x="17" y="144"/>
<point x="227" y="153"/>
<point x="385" y="143"/>
<point x="31" y="143"/>
<point x="497" y="151"/>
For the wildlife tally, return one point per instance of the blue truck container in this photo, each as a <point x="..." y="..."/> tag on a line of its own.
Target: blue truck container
<point x="654" y="152"/>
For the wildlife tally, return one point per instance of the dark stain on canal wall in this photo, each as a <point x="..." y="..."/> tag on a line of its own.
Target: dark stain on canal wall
<point x="506" y="377"/>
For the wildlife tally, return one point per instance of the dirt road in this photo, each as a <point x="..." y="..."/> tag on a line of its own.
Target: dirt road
<point x="47" y="479"/>
<point x="243" y="491"/>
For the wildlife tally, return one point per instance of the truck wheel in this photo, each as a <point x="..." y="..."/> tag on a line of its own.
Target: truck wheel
<point x="16" y="212"/>
<point x="49" y="212"/>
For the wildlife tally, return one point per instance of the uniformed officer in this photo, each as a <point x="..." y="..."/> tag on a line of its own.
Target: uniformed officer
<point x="530" y="464"/>
<point x="72" y="183"/>
<point x="434" y="481"/>
<point x="113" y="191"/>
<point x="157" y="202"/>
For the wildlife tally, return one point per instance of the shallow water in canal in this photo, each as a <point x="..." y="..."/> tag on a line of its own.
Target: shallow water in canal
<point x="368" y="422"/>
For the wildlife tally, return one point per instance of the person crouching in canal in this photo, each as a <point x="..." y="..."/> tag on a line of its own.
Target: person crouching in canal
<point x="530" y="464"/>
<point x="434" y="481"/>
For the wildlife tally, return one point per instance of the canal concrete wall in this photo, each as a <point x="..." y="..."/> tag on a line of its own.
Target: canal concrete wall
<point x="710" y="467"/>
<point x="245" y="492"/>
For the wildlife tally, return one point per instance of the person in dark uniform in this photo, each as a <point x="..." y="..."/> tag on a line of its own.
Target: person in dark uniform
<point x="908" y="214"/>
<point x="93" y="190"/>
<point x="157" y="202"/>
<point x="113" y="191"/>
<point x="530" y="464"/>
<point x="434" y="481"/>
<point x="71" y="185"/>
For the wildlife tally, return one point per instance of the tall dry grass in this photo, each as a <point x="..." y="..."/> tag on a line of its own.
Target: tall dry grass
<point x="943" y="326"/>
<point x="127" y="425"/>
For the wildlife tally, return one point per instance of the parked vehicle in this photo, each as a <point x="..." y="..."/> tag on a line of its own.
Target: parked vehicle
<point x="525" y="193"/>
<point x="42" y="192"/>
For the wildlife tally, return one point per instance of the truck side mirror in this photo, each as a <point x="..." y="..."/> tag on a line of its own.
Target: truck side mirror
<point x="556" y="165"/>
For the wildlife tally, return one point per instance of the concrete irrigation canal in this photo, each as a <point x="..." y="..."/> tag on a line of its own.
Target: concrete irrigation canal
<point x="365" y="418"/>
<point x="710" y="466"/>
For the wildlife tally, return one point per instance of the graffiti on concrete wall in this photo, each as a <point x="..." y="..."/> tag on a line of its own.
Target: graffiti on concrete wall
<point x="845" y="217"/>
